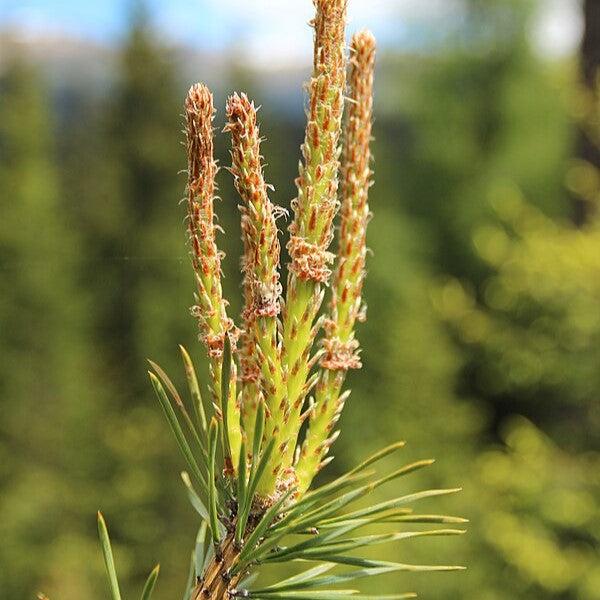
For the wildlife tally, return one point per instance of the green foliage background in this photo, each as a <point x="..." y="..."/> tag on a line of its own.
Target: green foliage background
<point x="481" y="346"/>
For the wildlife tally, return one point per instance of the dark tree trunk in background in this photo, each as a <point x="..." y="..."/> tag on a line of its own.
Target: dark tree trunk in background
<point x="590" y="45"/>
<point x="587" y="149"/>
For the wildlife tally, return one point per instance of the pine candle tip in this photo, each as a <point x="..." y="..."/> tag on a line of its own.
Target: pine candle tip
<point x="198" y="97"/>
<point x="199" y="111"/>
<point x="238" y="104"/>
<point x="364" y="39"/>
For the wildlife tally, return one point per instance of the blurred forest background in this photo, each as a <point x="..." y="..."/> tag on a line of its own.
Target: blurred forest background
<point x="482" y="346"/>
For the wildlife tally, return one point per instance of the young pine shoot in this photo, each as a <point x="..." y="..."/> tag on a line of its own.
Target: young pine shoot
<point x="249" y="468"/>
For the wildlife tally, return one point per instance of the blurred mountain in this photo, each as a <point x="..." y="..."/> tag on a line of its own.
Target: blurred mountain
<point x="65" y="60"/>
<point x="71" y="63"/>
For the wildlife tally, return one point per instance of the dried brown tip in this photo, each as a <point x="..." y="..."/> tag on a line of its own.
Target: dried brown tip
<point x="199" y="113"/>
<point x="206" y="258"/>
<point x="364" y="43"/>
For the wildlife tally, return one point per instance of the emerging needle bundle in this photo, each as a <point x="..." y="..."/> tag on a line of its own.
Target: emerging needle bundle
<point x="249" y="473"/>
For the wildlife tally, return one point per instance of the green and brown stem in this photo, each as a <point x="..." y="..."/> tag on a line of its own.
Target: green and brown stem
<point x="341" y="347"/>
<point x="210" y="307"/>
<point x="216" y="584"/>
<point x="314" y="210"/>
<point x="262" y="289"/>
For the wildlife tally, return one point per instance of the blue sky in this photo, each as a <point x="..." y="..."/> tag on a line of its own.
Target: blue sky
<point x="271" y="30"/>
<point x="104" y="20"/>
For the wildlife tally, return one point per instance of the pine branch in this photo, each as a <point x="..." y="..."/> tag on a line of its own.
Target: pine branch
<point x="253" y="496"/>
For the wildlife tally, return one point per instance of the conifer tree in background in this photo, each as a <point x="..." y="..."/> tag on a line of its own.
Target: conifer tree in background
<point x="481" y="108"/>
<point x="43" y="372"/>
<point x="533" y="340"/>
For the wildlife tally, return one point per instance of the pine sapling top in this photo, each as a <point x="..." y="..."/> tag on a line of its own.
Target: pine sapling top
<point x="250" y="469"/>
